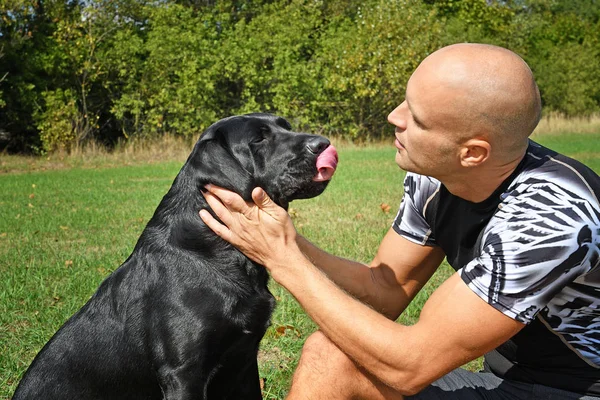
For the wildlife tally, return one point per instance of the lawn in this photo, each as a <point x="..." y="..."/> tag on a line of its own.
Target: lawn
<point x="62" y="231"/>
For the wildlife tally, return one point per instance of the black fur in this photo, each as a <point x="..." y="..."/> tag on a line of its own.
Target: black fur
<point x="183" y="316"/>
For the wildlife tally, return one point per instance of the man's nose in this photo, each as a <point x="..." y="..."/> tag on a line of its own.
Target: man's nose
<point x="398" y="117"/>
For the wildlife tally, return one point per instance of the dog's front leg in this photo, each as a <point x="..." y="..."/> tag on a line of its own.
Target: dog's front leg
<point x="247" y="386"/>
<point x="185" y="383"/>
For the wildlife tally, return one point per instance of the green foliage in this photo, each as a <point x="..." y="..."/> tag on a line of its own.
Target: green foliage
<point x="558" y="38"/>
<point x="174" y="88"/>
<point x="476" y="20"/>
<point x="563" y="49"/>
<point x="269" y="62"/>
<point x="137" y="68"/>
<point x="570" y="80"/>
<point x="2" y="77"/>
<point x="338" y="73"/>
<point x="365" y="64"/>
<point x="59" y="120"/>
<point x="20" y="66"/>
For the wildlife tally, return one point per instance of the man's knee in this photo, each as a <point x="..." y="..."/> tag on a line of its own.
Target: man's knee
<point x="320" y="354"/>
<point x="325" y="372"/>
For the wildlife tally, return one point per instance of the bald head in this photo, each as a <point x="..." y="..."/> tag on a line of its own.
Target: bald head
<point x="485" y="91"/>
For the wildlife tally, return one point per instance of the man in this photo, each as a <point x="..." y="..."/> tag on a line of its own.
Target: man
<point x="519" y="223"/>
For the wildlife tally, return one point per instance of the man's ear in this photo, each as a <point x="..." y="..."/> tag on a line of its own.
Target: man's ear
<point x="474" y="152"/>
<point x="213" y="162"/>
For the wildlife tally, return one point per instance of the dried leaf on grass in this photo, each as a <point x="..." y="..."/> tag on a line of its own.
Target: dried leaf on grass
<point x="385" y="207"/>
<point x="282" y="330"/>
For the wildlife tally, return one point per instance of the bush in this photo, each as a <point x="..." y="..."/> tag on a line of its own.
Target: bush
<point x="365" y="64"/>
<point x="59" y="120"/>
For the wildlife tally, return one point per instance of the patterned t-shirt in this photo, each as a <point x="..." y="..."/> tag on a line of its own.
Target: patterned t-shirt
<point x="532" y="251"/>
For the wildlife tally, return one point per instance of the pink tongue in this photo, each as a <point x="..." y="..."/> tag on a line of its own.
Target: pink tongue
<point x="326" y="164"/>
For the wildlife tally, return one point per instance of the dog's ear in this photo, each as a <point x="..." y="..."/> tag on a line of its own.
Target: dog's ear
<point x="212" y="161"/>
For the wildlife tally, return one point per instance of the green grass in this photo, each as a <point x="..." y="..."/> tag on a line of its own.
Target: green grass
<point x="63" y="231"/>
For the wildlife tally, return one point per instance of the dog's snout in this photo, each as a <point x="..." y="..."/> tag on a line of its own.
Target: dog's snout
<point x="317" y="144"/>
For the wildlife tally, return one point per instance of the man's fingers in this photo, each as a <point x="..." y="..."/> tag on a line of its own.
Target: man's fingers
<point x="216" y="226"/>
<point x="231" y="200"/>
<point x="219" y="209"/>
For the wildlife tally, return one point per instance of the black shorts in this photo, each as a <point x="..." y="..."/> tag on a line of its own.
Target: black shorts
<point x="462" y="384"/>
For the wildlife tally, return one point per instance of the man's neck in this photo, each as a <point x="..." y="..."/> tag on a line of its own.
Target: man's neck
<point x="479" y="186"/>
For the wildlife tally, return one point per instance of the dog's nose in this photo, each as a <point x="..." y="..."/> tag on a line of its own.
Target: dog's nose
<point x="317" y="144"/>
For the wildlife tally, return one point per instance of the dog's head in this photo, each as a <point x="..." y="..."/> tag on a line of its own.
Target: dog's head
<point x="240" y="153"/>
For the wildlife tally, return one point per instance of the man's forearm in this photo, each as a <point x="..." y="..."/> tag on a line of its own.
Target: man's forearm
<point x="364" y="283"/>
<point x="372" y="343"/>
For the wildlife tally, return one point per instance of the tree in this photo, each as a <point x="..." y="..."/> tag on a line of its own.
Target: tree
<point x="23" y="39"/>
<point x="173" y="90"/>
<point x="366" y="62"/>
<point x="561" y="43"/>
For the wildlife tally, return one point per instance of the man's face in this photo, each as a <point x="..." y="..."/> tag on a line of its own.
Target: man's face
<point x="427" y="123"/>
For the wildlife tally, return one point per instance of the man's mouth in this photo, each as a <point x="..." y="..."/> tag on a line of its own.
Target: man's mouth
<point x="398" y="145"/>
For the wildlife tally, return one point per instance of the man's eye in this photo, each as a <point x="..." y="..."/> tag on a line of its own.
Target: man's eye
<point x="417" y="122"/>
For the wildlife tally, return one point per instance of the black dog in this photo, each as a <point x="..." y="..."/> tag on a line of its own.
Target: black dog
<point x="182" y="318"/>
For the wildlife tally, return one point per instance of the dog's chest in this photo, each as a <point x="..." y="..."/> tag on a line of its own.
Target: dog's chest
<point x="235" y="298"/>
<point x="252" y="312"/>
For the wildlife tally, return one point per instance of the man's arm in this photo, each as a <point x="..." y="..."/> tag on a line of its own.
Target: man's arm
<point x="396" y="274"/>
<point x="455" y="326"/>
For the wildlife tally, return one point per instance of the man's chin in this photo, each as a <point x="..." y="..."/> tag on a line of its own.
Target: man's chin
<point x="405" y="164"/>
<point x="400" y="161"/>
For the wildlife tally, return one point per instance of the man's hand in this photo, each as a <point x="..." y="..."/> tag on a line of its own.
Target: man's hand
<point x="262" y="230"/>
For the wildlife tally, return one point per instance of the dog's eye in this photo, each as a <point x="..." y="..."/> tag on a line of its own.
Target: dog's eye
<point x="258" y="139"/>
<point x="263" y="134"/>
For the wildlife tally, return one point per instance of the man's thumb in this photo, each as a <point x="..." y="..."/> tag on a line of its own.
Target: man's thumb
<point x="261" y="198"/>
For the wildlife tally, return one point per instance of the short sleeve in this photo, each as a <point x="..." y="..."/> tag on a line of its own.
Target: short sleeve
<point x="410" y="222"/>
<point x="539" y="241"/>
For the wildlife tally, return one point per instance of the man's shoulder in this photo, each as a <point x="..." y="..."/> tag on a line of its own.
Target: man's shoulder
<point x="545" y="170"/>
<point x="551" y="204"/>
<point x="416" y="185"/>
